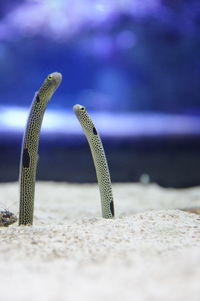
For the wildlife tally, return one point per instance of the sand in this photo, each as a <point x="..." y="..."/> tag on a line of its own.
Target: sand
<point x="151" y="251"/>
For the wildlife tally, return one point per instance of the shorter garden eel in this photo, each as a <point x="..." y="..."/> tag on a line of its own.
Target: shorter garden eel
<point x="99" y="158"/>
<point x="7" y="218"/>
<point x="29" y="152"/>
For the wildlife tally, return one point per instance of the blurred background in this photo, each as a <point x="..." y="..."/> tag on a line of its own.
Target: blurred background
<point x="134" y="64"/>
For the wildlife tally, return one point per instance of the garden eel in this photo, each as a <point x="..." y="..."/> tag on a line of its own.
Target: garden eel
<point x="29" y="153"/>
<point x="7" y="218"/>
<point x="99" y="158"/>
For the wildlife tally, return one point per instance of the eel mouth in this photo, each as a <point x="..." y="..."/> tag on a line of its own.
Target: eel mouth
<point x="78" y="109"/>
<point x="57" y="77"/>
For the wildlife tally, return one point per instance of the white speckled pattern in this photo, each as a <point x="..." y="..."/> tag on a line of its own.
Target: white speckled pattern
<point x="29" y="153"/>
<point x="99" y="158"/>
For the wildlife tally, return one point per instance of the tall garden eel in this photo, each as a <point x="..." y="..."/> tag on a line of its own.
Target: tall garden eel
<point x="29" y="153"/>
<point x="99" y="158"/>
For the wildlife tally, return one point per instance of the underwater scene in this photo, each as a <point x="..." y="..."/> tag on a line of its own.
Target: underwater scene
<point x="99" y="150"/>
<point x="134" y="66"/>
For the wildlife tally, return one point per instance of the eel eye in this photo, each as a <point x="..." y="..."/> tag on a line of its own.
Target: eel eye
<point x="50" y="77"/>
<point x="82" y="109"/>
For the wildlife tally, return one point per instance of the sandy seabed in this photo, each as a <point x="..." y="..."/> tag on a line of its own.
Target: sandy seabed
<point x="150" y="251"/>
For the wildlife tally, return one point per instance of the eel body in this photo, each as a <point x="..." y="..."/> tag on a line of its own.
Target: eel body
<point x="7" y="218"/>
<point x="29" y="152"/>
<point x="99" y="158"/>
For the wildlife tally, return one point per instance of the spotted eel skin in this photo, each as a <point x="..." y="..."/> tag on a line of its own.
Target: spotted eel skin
<point x="7" y="218"/>
<point x="99" y="158"/>
<point x="29" y="153"/>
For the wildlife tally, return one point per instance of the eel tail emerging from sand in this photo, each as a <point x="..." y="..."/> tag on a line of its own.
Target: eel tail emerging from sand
<point x="7" y="218"/>
<point x="29" y="152"/>
<point x="99" y="158"/>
